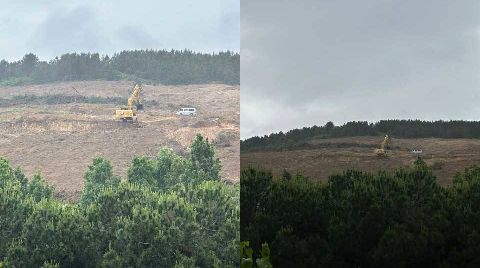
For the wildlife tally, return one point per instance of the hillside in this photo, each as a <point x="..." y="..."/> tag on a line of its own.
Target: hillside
<point x="320" y="158"/>
<point x="51" y="129"/>
<point x="299" y="138"/>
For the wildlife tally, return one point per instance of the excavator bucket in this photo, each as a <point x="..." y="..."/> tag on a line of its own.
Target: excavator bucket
<point x="139" y="107"/>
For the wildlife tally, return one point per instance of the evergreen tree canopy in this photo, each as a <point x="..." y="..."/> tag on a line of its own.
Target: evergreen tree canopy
<point x="168" y="213"/>
<point x="358" y="219"/>
<point x="154" y="66"/>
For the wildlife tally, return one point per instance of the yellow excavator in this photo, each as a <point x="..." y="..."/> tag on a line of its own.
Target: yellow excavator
<point x="128" y="114"/>
<point x="384" y="147"/>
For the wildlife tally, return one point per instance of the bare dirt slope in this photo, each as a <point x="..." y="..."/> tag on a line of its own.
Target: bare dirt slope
<point x="60" y="140"/>
<point x="448" y="156"/>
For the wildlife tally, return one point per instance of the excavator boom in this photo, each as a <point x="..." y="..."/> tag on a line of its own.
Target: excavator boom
<point x="383" y="147"/>
<point x="135" y="97"/>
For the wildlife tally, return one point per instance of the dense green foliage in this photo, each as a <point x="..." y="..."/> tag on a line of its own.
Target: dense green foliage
<point x="168" y="213"/>
<point x="357" y="219"/>
<point x="298" y="138"/>
<point x="157" y="66"/>
<point x="248" y="260"/>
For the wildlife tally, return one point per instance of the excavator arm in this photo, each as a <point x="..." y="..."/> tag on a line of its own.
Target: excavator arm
<point x="382" y="152"/>
<point x="385" y="143"/>
<point x="135" y="97"/>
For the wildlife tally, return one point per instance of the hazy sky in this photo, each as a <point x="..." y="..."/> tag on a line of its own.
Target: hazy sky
<point x="313" y="61"/>
<point x="52" y="27"/>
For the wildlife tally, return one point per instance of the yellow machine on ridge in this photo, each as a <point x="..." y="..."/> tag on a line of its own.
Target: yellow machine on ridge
<point x="128" y="113"/>
<point x="384" y="147"/>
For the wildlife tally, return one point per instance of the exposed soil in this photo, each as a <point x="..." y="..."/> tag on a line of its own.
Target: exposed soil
<point x="60" y="140"/>
<point x="447" y="156"/>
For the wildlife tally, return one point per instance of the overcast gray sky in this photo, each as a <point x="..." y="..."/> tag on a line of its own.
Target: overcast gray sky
<point x="52" y="27"/>
<point x="312" y="61"/>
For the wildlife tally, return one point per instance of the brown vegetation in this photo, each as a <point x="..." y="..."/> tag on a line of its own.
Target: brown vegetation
<point x="446" y="156"/>
<point x="60" y="140"/>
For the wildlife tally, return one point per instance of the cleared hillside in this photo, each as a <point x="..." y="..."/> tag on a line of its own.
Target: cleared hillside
<point x="59" y="139"/>
<point x="325" y="157"/>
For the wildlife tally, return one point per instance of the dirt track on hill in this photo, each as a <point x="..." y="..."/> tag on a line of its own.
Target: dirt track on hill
<point x="60" y="140"/>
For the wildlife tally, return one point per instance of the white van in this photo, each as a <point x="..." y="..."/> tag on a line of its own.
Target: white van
<point x="187" y="111"/>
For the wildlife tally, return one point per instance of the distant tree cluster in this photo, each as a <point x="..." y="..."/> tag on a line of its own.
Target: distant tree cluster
<point x="172" y="211"/>
<point x="156" y="66"/>
<point x="396" y="128"/>
<point x="358" y="219"/>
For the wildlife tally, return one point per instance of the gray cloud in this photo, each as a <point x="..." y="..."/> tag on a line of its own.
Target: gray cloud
<point x="228" y="25"/>
<point x="136" y="37"/>
<point x="309" y="62"/>
<point x="69" y="30"/>
<point x="49" y="28"/>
